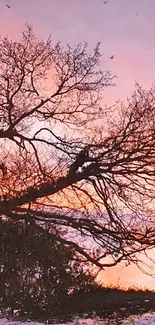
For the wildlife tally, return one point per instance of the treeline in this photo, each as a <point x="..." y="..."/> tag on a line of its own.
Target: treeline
<point x="111" y="302"/>
<point x="37" y="273"/>
<point x="40" y="279"/>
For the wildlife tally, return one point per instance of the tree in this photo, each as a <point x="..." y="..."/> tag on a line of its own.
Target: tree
<point x="73" y="163"/>
<point x="37" y="273"/>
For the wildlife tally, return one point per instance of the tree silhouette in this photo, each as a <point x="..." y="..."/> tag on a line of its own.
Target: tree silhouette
<point x="72" y="162"/>
<point x="37" y="272"/>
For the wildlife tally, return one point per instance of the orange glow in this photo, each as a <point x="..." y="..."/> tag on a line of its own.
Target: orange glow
<point x="131" y="276"/>
<point x="126" y="277"/>
<point x="122" y="33"/>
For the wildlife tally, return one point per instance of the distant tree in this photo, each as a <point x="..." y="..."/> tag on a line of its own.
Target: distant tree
<point x="37" y="272"/>
<point x="68" y="160"/>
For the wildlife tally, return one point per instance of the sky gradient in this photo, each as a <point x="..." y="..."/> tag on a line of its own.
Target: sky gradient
<point x="125" y="29"/>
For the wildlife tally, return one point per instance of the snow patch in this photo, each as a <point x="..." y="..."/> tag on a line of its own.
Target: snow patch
<point x="146" y="319"/>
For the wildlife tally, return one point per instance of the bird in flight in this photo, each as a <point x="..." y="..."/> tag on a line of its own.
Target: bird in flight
<point x="111" y="57"/>
<point x="8" y="6"/>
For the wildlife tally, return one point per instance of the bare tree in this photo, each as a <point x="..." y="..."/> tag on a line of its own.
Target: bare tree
<point x="69" y="163"/>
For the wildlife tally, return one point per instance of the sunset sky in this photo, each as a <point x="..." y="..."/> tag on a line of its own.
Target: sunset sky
<point x="125" y="28"/>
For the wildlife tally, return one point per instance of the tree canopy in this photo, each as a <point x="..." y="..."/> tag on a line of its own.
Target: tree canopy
<point x="68" y="160"/>
<point x="37" y="273"/>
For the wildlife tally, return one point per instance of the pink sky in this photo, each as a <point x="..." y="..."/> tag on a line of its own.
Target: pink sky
<point x="125" y="29"/>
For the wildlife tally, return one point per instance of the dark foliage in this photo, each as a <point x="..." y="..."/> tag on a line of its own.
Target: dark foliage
<point x="36" y="272"/>
<point x="111" y="302"/>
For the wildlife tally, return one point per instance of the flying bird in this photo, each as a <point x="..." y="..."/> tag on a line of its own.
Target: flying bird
<point x="8" y="6"/>
<point x="112" y="57"/>
<point x="105" y="2"/>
